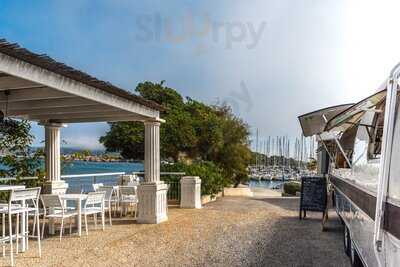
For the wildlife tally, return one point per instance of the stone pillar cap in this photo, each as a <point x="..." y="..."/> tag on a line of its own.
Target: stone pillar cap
<point x="53" y="124"/>
<point x="190" y="179"/>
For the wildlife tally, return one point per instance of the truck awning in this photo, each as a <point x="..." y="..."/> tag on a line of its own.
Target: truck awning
<point x="352" y="116"/>
<point x="314" y="122"/>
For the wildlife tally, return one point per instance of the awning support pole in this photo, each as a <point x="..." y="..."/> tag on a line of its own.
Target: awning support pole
<point x="339" y="145"/>
<point x="327" y="151"/>
<point x="342" y="150"/>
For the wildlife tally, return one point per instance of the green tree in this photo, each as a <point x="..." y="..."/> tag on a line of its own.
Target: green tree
<point x="192" y="128"/>
<point x="18" y="160"/>
<point x="86" y="153"/>
<point x="175" y="136"/>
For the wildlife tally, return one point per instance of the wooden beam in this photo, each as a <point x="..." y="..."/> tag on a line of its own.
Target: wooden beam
<point x="62" y="110"/>
<point x="96" y="119"/>
<point x="49" y="103"/>
<point x="109" y="119"/>
<point x="82" y="115"/>
<point x="39" y="93"/>
<point x="12" y="83"/>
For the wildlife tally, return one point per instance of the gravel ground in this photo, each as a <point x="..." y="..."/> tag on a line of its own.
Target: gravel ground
<point x="232" y="231"/>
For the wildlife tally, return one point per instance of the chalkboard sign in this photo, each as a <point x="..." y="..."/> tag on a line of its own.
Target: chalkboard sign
<point x="313" y="195"/>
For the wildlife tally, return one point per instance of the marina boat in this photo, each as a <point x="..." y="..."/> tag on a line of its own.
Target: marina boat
<point x="359" y="152"/>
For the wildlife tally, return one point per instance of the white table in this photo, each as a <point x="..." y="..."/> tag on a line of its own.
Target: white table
<point x="77" y="198"/>
<point x="23" y="218"/>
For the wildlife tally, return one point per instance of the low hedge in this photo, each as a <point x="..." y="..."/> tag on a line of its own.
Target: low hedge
<point x="212" y="181"/>
<point x="291" y="188"/>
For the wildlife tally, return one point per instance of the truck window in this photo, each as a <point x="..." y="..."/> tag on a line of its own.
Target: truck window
<point x="364" y="171"/>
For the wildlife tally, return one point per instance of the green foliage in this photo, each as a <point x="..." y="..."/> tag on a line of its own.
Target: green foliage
<point x="15" y="136"/>
<point x="312" y="165"/>
<point x="212" y="180"/>
<point x="127" y="138"/>
<point x="291" y="188"/>
<point x="193" y="129"/>
<point x="19" y="161"/>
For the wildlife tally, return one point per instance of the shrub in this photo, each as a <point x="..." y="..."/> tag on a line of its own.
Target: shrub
<point x="291" y="188"/>
<point x="212" y="181"/>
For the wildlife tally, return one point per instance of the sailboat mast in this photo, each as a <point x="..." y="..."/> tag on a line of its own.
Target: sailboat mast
<point x="257" y="148"/>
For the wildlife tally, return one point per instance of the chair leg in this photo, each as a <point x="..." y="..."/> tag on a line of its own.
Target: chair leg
<point x="136" y="211"/>
<point x="17" y="235"/>
<point x="38" y="234"/>
<point x="109" y="213"/>
<point x="62" y="228"/>
<point x="43" y="225"/>
<point x="11" y="243"/>
<point x="86" y="228"/>
<point x="3" y="225"/>
<point x="26" y="231"/>
<point x="103" y="219"/>
<point x="34" y="225"/>
<point x="70" y="225"/>
<point x="95" y="220"/>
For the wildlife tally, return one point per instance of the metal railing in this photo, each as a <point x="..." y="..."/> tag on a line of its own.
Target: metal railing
<point x="174" y="190"/>
<point x="93" y="175"/>
<point x="163" y="173"/>
<point x="12" y="180"/>
<point x="174" y="186"/>
<point x="84" y="182"/>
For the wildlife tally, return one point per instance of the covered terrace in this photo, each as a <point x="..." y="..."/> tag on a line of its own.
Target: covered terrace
<point x="37" y="88"/>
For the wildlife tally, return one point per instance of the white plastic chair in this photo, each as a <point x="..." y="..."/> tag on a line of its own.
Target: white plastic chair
<point x="17" y="205"/>
<point x="54" y="208"/>
<point x="74" y="190"/>
<point x="96" y="186"/>
<point x="109" y="199"/>
<point x="94" y="205"/>
<point x="128" y="197"/>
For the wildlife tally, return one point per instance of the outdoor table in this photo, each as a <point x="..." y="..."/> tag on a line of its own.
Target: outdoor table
<point x="77" y="198"/>
<point x="23" y="219"/>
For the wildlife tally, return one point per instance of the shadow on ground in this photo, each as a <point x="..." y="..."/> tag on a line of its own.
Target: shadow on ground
<point x="284" y="240"/>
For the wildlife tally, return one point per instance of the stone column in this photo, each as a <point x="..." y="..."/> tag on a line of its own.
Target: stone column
<point x="53" y="184"/>
<point x="151" y="152"/>
<point x="191" y="192"/>
<point x="152" y="194"/>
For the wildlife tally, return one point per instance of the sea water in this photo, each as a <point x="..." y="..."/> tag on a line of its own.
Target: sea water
<point x="270" y="184"/>
<point x="93" y="168"/>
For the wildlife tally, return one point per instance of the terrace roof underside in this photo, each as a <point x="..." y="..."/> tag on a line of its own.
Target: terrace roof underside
<point x="38" y="88"/>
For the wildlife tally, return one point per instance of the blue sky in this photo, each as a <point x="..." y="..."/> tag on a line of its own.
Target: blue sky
<point x="272" y="60"/>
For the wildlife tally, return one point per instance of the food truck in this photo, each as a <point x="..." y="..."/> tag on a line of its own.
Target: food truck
<point x="360" y="144"/>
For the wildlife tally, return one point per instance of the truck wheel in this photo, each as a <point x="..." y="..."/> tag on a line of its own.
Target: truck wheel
<point x="347" y="241"/>
<point x="355" y="258"/>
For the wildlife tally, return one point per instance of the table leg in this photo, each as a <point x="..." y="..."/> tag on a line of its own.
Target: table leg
<point x="52" y="229"/>
<point x="23" y="228"/>
<point x="79" y="217"/>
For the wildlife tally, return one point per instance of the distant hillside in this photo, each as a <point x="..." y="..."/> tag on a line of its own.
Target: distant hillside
<point x="71" y="150"/>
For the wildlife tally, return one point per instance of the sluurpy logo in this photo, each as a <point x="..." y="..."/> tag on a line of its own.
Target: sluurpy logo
<point x="199" y="30"/>
<point x="240" y="100"/>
